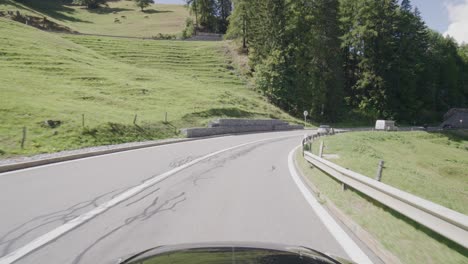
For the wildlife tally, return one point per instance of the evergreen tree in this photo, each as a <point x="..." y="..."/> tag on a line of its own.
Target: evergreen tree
<point x="211" y="15"/>
<point x="371" y="37"/>
<point x="318" y="74"/>
<point x="224" y="9"/>
<point x="239" y="21"/>
<point x="412" y="48"/>
<point x="391" y="65"/>
<point x="268" y="52"/>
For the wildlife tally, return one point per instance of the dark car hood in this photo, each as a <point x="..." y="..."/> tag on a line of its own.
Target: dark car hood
<point x="227" y="253"/>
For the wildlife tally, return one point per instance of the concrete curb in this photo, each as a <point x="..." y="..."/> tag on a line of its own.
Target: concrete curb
<point x="45" y="161"/>
<point x="365" y="237"/>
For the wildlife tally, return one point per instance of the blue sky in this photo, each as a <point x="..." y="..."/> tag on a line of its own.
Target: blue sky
<point x="446" y="16"/>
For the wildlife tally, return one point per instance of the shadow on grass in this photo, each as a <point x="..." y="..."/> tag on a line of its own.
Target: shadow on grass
<point x="116" y="133"/>
<point x="154" y="11"/>
<point x="107" y="10"/>
<point x="53" y="8"/>
<point x="219" y="112"/>
<point x="454" y="135"/>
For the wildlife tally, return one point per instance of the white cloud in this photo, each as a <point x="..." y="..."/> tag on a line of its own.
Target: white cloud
<point x="458" y="19"/>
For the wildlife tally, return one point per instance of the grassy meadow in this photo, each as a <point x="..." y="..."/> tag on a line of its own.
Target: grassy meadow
<point x="429" y="165"/>
<point x="45" y="76"/>
<point x="157" y="18"/>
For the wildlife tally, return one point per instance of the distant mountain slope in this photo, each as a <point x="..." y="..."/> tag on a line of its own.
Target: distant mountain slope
<point x="121" y="18"/>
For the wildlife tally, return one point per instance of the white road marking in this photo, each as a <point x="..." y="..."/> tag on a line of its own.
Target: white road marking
<point x="74" y="223"/>
<point x="349" y="246"/>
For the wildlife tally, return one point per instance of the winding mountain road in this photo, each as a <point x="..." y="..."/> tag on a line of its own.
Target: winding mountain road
<point x="98" y="209"/>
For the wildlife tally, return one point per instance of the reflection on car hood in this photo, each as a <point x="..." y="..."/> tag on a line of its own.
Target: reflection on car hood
<point x="229" y="253"/>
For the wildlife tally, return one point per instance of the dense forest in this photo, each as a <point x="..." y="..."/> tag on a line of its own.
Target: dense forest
<point x="343" y="59"/>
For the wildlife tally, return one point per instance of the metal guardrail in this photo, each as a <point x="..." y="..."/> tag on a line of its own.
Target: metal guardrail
<point x="444" y="221"/>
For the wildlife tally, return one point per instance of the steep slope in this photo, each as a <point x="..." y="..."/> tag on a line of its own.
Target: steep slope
<point x="47" y="76"/>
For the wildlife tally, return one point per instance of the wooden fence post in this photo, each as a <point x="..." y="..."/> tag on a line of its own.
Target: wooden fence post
<point x="23" y="139"/>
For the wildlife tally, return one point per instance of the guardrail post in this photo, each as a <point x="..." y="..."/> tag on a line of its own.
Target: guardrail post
<point x="321" y="149"/>
<point x="378" y="177"/>
<point x="303" y="148"/>
<point x="344" y="187"/>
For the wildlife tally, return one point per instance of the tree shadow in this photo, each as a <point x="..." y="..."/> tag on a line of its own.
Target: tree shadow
<point x="217" y="112"/>
<point x="454" y="135"/>
<point x="153" y="11"/>
<point x="55" y="9"/>
<point x="108" y="10"/>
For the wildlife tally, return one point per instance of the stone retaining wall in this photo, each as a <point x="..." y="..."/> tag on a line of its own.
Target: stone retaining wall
<point x="232" y="126"/>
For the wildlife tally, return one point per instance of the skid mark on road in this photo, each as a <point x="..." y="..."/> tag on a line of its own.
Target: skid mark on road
<point x="8" y="240"/>
<point x="148" y="212"/>
<point x="217" y="162"/>
<point x="131" y="192"/>
<point x="181" y="161"/>
<point x="143" y="197"/>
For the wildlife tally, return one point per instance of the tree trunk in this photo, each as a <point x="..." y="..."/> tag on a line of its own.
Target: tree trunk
<point x="244" y="29"/>
<point x="244" y="32"/>
<point x="196" y="15"/>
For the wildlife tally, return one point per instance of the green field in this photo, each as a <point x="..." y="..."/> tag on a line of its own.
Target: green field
<point x="410" y="242"/>
<point x="158" y="18"/>
<point x="429" y="165"/>
<point x="46" y="76"/>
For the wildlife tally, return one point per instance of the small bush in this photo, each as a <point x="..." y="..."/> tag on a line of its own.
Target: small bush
<point x="189" y="29"/>
<point x="164" y="36"/>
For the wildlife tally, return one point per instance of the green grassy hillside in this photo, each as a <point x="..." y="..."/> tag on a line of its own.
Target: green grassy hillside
<point x="46" y="76"/>
<point x="159" y="18"/>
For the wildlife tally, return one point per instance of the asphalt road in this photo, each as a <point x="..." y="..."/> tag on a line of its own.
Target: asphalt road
<point x="245" y="192"/>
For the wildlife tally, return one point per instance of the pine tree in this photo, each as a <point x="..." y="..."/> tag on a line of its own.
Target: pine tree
<point x="239" y="21"/>
<point x="369" y="34"/>
<point x="318" y="74"/>
<point x="412" y="47"/>
<point x="224" y="9"/>
<point x="406" y="6"/>
<point x="211" y="15"/>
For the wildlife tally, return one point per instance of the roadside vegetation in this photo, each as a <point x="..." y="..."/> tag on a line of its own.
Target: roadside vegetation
<point x="407" y="240"/>
<point x="60" y="78"/>
<point x="380" y="60"/>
